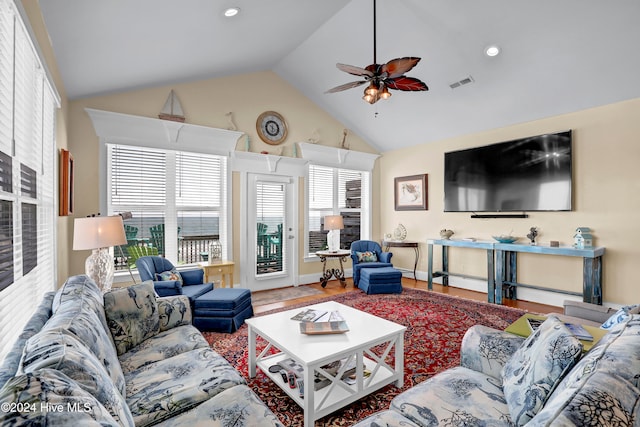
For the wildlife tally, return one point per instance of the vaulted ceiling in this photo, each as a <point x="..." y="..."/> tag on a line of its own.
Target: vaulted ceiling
<point x="556" y="56"/>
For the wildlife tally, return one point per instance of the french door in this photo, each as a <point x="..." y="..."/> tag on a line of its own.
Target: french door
<point x="269" y="243"/>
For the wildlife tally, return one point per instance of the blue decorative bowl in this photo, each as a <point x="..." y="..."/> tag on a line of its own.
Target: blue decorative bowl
<point x="506" y="239"/>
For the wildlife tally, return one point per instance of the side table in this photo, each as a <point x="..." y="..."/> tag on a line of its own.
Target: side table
<point x="521" y="327"/>
<point x="338" y="273"/>
<point x="404" y="244"/>
<point x="221" y="268"/>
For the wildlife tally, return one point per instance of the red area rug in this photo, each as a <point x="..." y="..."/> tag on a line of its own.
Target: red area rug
<point x="435" y="325"/>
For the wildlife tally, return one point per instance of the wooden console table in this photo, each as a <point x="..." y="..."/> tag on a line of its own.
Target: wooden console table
<point x="338" y="273"/>
<point x="404" y="244"/>
<point x="502" y="271"/>
<point x="445" y="243"/>
<point x="506" y="259"/>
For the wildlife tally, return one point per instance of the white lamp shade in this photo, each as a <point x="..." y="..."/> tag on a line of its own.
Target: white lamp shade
<point x="98" y="232"/>
<point x="333" y="222"/>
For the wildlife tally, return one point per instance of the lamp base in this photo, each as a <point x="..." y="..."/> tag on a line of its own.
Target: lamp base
<point x="333" y="240"/>
<point x="99" y="267"/>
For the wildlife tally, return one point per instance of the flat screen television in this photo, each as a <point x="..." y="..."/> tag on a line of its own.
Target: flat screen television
<point x="527" y="174"/>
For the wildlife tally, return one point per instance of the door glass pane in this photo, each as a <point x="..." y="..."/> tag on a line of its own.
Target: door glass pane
<point x="270" y="221"/>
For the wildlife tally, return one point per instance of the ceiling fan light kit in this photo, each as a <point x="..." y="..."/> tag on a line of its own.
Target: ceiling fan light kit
<point x="382" y="77"/>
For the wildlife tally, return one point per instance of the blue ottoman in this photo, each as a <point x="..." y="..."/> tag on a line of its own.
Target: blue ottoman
<point x="385" y="280"/>
<point x="222" y="309"/>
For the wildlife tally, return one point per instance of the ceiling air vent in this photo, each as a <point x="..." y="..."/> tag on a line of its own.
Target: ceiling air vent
<point x="462" y="82"/>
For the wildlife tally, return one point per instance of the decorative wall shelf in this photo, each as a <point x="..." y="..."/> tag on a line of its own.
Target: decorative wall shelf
<point x="337" y="157"/>
<point x="267" y="163"/>
<point x="127" y="129"/>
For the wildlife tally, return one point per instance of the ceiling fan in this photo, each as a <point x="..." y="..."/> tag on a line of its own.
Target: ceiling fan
<point x="382" y="77"/>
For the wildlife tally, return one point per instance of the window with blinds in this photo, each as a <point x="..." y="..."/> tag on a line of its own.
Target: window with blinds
<point x="270" y="222"/>
<point x="27" y="177"/>
<point x="335" y="191"/>
<point x="176" y="198"/>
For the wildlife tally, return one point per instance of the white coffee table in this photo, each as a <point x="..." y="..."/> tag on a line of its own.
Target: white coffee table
<point x="313" y="351"/>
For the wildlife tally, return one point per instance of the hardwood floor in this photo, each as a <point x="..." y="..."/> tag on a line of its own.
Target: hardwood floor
<point x="334" y="288"/>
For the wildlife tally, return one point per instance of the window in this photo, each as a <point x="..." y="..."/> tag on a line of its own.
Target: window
<point x="177" y="200"/>
<point x="27" y="177"/>
<point x="334" y="191"/>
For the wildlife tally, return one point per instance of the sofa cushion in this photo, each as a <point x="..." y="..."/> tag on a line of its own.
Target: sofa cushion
<point x="367" y="256"/>
<point x="132" y="315"/>
<point x="160" y="390"/>
<point x="604" y="400"/>
<point x="84" y="322"/>
<point x="385" y="418"/>
<point x="63" y="352"/>
<point x="171" y="275"/>
<point x="236" y="406"/>
<point x="163" y="346"/>
<point x="532" y="373"/>
<point x="457" y="396"/>
<point x="11" y="363"/>
<point x="50" y="398"/>
<point x="616" y="353"/>
<point x="173" y="311"/>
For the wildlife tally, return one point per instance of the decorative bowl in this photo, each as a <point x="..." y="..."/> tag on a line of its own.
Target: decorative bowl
<point x="505" y="239"/>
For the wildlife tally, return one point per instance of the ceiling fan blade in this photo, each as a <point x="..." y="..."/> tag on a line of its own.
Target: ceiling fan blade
<point x="399" y="66"/>
<point x="346" y="86"/>
<point x="410" y="84"/>
<point x="356" y="71"/>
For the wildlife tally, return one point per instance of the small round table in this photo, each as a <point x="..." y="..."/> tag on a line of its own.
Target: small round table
<point x="404" y="244"/>
<point x="338" y="273"/>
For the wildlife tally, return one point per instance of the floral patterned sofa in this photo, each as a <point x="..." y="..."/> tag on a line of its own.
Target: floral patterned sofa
<point x="505" y="380"/>
<point x="124" y="359"/>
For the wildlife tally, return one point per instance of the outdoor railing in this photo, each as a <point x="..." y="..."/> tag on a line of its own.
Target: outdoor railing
<point x="191" y="249"/>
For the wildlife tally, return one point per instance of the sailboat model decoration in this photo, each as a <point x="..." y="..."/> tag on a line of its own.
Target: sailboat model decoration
<point x="172" y="109"/>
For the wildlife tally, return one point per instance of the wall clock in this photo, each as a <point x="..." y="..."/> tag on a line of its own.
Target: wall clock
<point x="271" y="127"/>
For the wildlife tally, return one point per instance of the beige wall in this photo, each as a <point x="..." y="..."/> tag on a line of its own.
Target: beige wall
<point x="206" y="103"/>
<point x="606" y="180"/>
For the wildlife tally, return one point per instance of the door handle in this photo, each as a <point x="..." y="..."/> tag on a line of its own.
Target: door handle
<point x="291" y="237"/>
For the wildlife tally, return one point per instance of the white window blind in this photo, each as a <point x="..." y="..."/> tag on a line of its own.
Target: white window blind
<point x="177" y="199"/>
<point x="335" y="191"/>
<point x="27" y="178"/>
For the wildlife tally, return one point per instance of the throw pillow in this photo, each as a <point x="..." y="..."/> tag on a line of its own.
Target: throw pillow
<point x="169" y="275"/>
<point x="62" y="351"/>
<point x="174" y="311"/>
<point x="367" y="256"/>
<point x="532" y="373"/>
<point x="132" y="315"/>
<point x="620" y="316"/>
<point x="35" y="394"/>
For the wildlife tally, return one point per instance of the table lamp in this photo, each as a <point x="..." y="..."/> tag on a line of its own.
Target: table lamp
<point x="99" y="233"/>
<point x="334" y="224"/>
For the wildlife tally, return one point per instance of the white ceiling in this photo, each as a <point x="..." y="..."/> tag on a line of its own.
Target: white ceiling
<point x="557" y="56"/>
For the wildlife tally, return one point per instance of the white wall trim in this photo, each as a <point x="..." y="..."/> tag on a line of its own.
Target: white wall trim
<point x="337" y="157"/>
<point x="242" y="161"/>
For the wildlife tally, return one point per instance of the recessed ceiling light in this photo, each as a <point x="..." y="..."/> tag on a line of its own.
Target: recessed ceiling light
<point x="232" y="11"/>
<point x="492" y="51"/>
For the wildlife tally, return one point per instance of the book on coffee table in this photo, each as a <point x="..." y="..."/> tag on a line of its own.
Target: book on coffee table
<point x="309" y="315"/>
<point x="578" y="330"/>
<point x="320" y="328"/>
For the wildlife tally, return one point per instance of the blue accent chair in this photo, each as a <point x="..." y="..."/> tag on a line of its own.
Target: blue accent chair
<point x="384" y="258"/>
<point x="192" y="280"/>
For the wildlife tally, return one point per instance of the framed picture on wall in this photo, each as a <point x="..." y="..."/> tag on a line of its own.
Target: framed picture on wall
<point x="411" y="193"/>
<point x="66" y="183"/>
